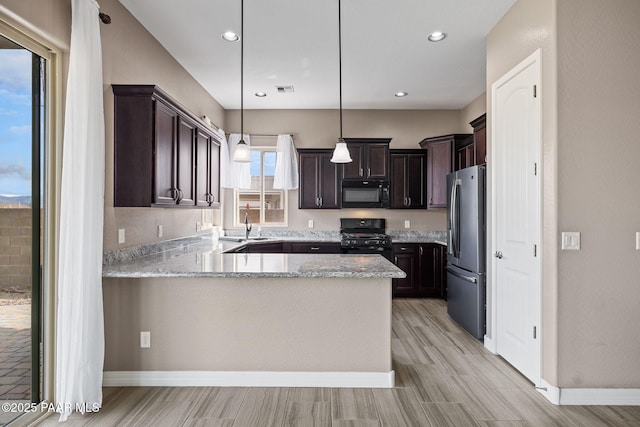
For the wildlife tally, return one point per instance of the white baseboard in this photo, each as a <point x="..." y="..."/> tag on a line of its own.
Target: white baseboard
<point x="490" y="344"/>
<point x="550" y="392"/>
<point x="590" y="396"/>
<point x="600" y="396"/>
<point x="248" y="379"/>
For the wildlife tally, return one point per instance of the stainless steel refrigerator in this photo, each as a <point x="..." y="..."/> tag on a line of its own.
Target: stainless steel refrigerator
<point x="466" y="272"/>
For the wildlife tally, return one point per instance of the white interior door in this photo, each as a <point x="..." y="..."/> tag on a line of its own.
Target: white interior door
<point x="516" y="145"/>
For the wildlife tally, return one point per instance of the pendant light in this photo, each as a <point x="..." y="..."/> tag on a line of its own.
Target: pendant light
<point x="341" y="152"/>
<point x="242" y="153"/>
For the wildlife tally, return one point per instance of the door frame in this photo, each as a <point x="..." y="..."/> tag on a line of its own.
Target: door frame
<point x="535" y="59"/>
<point x="14" y="28"/>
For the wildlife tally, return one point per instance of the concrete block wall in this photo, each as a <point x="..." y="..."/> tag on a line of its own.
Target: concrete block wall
<point x="15" y="248"/>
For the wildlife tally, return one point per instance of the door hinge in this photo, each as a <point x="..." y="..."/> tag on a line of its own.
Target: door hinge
<point x="535" y="169"/>
<point x="535" y="332"/>
<point x="535" y="91"/>
<point x="535" y="250"/>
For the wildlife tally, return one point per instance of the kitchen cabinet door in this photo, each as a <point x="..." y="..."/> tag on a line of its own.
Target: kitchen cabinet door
<point x="480" y="139"/>
<point x="185" y="165"/>
<point x="432" y="268"/>
<point x="405" y="256"/>
<point x="207" y="171"/>
<point x="408" y="179"/>
<point x="319" y="180"/>
<point x="440" y="163"/>
<point x="370" y="158"/>
<point x="164" y="175"/>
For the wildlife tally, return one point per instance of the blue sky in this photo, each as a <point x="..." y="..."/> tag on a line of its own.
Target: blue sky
<point x="15" y="122"/>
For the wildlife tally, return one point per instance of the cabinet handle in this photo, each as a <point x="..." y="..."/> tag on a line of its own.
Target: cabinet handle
<point x="403" y="249"/>
<point x="409" y="201"/>
<point x="421" y="251"/>
<point x="361" y="172"/>
<point x="368" y="171"/>
<point x="314" y="248"/>
<point x="174" y="193"/>
<point x="320" y="201"/>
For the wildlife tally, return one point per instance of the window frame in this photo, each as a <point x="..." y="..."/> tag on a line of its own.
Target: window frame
<point x="237" y="221"/>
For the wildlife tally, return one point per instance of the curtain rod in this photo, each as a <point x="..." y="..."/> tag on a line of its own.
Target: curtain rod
<point x="266" y="134"/>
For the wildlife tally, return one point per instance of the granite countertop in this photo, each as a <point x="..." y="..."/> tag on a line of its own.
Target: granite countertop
<point x="206" y="257"/>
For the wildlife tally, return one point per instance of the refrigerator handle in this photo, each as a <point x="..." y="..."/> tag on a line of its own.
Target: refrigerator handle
<point x="462" y="276"/>
<point x="454" y="216"/>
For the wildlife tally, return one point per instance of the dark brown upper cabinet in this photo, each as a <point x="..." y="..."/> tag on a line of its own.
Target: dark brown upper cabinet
<point x="479" y="126"/>
<point x="472" y="151"/>
<point x="207" y="171"/>
<point x="319" y="180"/>
<point x="408" y="179"/>
<point x="440" y="163"/>
<point x="163" y="154"/>
<point x="370" y="158"/>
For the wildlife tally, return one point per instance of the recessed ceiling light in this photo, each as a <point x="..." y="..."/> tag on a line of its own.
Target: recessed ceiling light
<point x="401" y="94"/>
<point x="437" y="36"/>
<point x="230" y="36"/>
<point x="261" y="94"/>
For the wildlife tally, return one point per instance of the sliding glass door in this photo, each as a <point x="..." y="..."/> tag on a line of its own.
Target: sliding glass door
<point x="22" y="213"/>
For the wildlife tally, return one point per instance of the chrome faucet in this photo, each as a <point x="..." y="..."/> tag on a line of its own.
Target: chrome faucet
<point x="247" y="226"/>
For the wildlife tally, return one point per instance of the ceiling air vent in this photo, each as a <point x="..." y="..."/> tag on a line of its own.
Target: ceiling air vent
<point x="285" y="89"/>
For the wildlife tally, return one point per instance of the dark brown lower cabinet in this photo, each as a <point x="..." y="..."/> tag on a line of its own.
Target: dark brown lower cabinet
<point x="424" y="264"/>
<point x="291" y="248"/>
<point x="315" y="248"/>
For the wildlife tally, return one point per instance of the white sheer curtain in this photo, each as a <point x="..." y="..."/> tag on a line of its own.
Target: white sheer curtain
<point x="224" y="159"/>
<point x="286" y="173"/>
<point x="238" y="175"/>
<point x="80" y="323"/>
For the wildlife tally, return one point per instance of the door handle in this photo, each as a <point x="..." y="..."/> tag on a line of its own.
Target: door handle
<point x="498" y="254"/>
<point x="462" y="276"/>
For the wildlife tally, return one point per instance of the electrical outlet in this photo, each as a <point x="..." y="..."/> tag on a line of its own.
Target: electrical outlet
<point x="120" y="236"/>
<point x="407" y="223"/>
<point x="145" y="339"/>
<point x="160" y="230"/>
<point x="310" y="223"/>
<point x="198" y="226"/>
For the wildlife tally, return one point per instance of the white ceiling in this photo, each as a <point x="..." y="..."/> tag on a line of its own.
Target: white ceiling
<point x="295" y="42"/>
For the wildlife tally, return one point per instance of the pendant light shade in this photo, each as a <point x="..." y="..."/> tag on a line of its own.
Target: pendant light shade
<point x="242" y="153"/>
<point x="341" y="152"/>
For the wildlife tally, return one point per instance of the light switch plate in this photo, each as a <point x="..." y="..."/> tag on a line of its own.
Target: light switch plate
<point x="160" y="230"/>
<point x="637" y="240"/>
<point x="570" y="240"/>
<point x="407" y="223"/>
<point x="120" y="236"/>
<point x="310" y="223"/>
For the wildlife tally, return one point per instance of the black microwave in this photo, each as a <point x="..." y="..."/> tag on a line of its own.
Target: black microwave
<point x="365" y="194"/>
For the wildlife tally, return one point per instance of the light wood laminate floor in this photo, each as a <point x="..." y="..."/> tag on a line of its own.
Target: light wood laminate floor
<point x="444" y="377"/>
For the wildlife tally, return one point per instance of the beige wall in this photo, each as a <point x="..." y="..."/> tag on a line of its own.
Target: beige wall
<point x="598" y="176"/>
<point x="261" y="324"/>
<point x="590" y="109"/>
<point x="130" y="55"/>
<point x="529" y="25"/>
<point x="320" y="129"/>
<point x="475" y="109"/>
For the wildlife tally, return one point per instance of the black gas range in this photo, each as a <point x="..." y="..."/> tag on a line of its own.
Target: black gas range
<point x="365" y="236"/>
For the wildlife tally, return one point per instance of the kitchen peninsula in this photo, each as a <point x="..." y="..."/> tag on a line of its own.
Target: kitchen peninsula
<point x="248" y="319"/>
